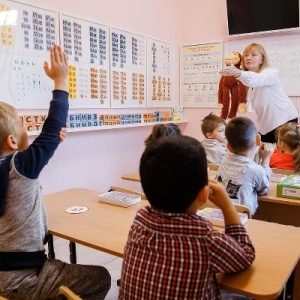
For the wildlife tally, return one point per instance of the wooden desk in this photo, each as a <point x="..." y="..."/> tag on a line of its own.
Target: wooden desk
<point x="133" y="176"/>
<point x="105" y="227"/>
<point x="270" y="207"/>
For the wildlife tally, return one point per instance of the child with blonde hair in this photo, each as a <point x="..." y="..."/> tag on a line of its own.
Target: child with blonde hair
<point x="213" y="129"/>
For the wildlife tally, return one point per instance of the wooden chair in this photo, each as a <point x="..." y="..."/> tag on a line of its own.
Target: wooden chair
<point x="213" y="167"/>
<point x="125" y="190"/>
<point x="282" y="171"/>
<point x="242" y="209"/>
<point x="68" y="294"/>
<point x="1" y="289"/>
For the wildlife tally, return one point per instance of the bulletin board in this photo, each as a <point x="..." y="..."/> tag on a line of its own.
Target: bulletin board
<point x="160" y="73"/>
<point x="283" y="53"/>
<point x="128" y="69"/>
<point x="199" y="74"/>
<point x="26" y="35"/>
<point x="86" y="44"/>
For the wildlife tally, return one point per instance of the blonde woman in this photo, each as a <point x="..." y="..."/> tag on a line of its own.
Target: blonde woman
<point x="266" y="96"/>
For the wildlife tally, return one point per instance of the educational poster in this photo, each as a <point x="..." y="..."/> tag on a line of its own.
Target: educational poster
<point x="128" y="69"/>
<point x="199" y="78"/>
<point x="86" y="44"/>
<point x="26" y="35"/>
<point x="160" y="73"/>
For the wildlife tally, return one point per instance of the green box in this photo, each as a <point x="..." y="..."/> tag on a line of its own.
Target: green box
<point x="289" y="187"/>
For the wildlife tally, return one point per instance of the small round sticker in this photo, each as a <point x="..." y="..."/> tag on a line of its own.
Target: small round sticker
<point x="76" y="209"/>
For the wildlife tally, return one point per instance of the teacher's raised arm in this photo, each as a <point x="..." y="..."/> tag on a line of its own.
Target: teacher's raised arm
<point x="266" y="96"/>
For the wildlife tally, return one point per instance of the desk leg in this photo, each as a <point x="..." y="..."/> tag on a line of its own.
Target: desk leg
<point x="73" y="258"/>
<point x="296" y="290"/>
<point x="51" y="253"/>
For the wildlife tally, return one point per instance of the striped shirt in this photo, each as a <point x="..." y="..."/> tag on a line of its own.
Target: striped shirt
<point x="176" y="256"/>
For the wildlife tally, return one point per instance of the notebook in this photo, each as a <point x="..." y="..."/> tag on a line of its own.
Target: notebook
<point x="119" y="198"/>
<point x="215" y="216"/>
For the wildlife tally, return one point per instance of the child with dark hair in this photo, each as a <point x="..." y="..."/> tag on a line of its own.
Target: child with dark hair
<point x="161" y="130"/>
<point x="287" y="156"/>
<point x="213" y="129"/>
<point x="171" y="252"/>
<point x="242" y="177"/>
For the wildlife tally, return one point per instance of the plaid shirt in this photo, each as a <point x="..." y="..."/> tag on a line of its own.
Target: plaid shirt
<point x="175" y="256"/>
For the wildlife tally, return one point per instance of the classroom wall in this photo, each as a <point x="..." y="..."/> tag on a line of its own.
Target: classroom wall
<point x="206" y="21"/>
<point x="97" y="159"/>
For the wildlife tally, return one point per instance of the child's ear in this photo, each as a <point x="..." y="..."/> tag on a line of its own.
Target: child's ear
<point x="258" y="140"/>
<point x="203" y="195"/>
<point x="229" y="148"/>
<point x="11" y="142"/>
<point x="209" y="135"/>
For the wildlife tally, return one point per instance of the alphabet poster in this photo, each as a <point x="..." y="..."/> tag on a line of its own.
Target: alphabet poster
<point x="26" y="35"/>
<point x="199" y="77"/>
<point x="128" y="69"/>
<point x="160" y="73"/>
<point x="86" y="44"/>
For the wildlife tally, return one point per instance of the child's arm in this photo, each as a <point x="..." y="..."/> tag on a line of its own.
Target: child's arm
<point x="266" y="150"/>
<point x="232" y="251"/>
<point x="220" y="198"/>
<point x="30" y="162"/>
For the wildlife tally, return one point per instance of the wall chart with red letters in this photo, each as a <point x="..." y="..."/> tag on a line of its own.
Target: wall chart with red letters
<point x="108" y="67"/>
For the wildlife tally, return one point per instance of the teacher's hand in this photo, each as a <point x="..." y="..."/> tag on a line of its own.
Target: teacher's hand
<point x="231" y="71"/>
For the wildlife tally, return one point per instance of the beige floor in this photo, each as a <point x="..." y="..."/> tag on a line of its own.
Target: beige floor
<point x="90" y="256"/>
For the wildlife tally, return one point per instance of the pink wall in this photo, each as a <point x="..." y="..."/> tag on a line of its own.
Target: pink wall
<point x="97" y="159"/>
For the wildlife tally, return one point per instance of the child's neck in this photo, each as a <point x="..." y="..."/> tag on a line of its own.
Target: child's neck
<point x="247" y="153"/>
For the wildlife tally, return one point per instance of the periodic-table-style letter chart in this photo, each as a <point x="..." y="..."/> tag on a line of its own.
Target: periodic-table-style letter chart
<point x="128" y="69"/>
<point x="199" y="74"/>
<point x="26" y="35"/>
<point x="160" y="73"/>
<point x="86" y="44"/>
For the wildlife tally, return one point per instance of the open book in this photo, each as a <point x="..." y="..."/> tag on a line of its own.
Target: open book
<point x="120" y="198"/>
<point x="215" y="216"/>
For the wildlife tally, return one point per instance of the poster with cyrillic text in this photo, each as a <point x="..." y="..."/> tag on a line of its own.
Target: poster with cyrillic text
<point x="26" y="35"/>
<point x="86" y="44"/>
<point x="160" y="73"/>
<point x="128" y="69"/>
<point x="199" y="76"/>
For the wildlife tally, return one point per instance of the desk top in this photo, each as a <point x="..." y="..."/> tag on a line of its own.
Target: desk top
<point x="105" y="227"/>
<point x="269" y="197"/>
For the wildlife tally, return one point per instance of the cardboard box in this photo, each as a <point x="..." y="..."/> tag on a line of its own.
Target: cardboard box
<point x="289" y="187"/>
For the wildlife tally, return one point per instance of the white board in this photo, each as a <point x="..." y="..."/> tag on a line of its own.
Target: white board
<point x="283" y="53"/>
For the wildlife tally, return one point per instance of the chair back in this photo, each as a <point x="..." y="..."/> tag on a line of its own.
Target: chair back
<point x="213" y="167"/>
<point x="67" y="293"/>
<point x="1" y="290"/>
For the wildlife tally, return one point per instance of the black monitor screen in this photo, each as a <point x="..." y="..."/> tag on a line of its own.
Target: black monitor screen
<point x="249" y="16"/>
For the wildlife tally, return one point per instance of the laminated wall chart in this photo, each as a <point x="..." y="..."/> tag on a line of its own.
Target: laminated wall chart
<point x="26" y="35"/>
<point x="128" y="69"/>
<point x="160" y="73"/>
<point x="108" y="67"/>
<point x="86" y="44"/>
<point x="199" y="77"/>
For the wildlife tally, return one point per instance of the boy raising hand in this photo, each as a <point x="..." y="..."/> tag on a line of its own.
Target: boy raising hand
<point x="25" y="271"/>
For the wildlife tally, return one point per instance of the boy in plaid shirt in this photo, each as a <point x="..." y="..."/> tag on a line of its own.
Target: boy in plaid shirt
<point x="171" y="252"/>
